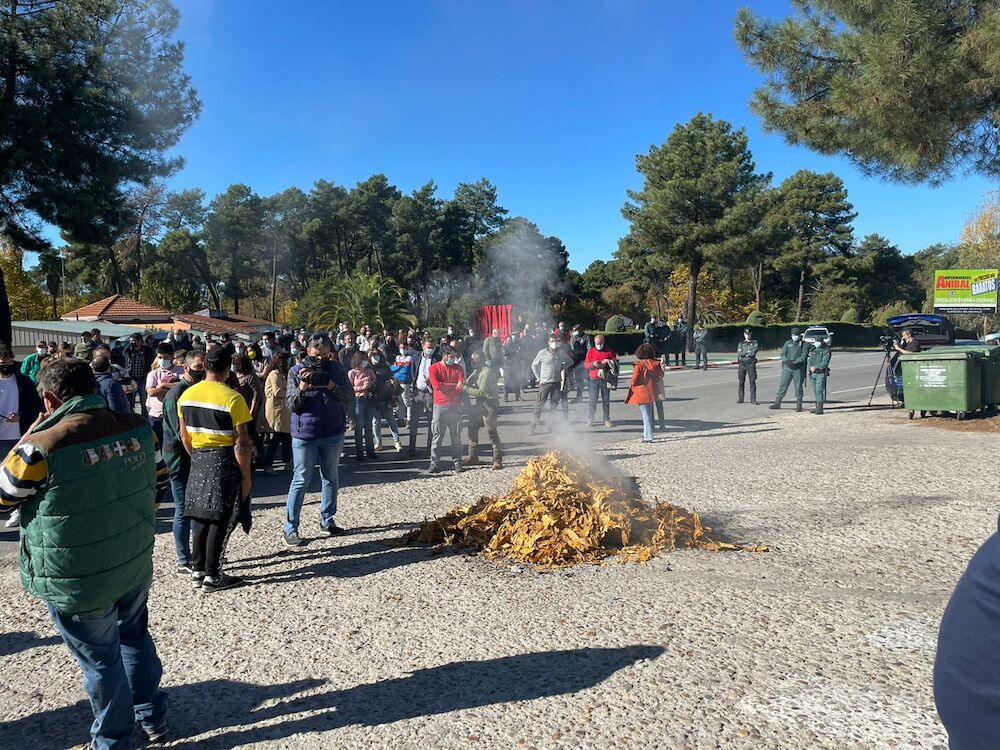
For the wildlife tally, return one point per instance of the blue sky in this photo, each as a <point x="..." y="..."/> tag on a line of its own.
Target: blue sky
<point x="549" y="100"/>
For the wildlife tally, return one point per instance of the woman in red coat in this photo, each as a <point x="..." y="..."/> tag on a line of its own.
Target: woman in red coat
<point x="647" y="381"/>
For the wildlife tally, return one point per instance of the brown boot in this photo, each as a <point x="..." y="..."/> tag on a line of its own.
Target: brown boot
<point x="472" y="459"/>
<point x="497" y="464"/>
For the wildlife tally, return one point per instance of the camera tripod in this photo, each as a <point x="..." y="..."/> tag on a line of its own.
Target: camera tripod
<point x="886" y="360"/>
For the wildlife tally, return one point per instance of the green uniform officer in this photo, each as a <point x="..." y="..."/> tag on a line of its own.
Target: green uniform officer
<point x="819" y="368"/>
<point x="794" y="354"/>
<point x="746" y="356"/>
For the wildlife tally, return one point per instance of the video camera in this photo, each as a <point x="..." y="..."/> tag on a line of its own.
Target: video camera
<point x="314" y="372"/>
<point x="887" y="341"/>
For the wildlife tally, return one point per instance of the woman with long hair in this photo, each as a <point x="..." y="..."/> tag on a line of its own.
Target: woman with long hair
<point x="249" y="386"/>
<point x="277" y="415"/>
<point x="647" y="382"/>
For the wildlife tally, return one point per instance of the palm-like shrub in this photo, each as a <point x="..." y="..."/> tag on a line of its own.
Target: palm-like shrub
<point x="362" y="298"/>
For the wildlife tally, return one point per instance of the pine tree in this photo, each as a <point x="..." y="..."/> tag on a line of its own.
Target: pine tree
<point x="698" y="202"/>
<point x="908" y="90"/>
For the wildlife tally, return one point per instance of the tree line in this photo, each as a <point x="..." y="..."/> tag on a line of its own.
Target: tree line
<point x="93" y="96"/>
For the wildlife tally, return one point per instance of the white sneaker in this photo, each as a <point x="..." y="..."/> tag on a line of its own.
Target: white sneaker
<point x="14" y="520"/>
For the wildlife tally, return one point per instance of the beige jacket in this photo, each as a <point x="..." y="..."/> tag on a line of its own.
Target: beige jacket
<point x="276" y="412"/>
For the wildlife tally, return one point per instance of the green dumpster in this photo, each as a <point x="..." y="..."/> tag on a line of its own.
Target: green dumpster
<point x="945" y="379"/>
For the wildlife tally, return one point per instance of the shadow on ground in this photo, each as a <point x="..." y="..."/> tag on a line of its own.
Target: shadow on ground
<point x="240" y="708"/>
<point x="15" y="643"/>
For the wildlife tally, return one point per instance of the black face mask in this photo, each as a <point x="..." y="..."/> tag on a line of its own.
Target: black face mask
<point x="7" y="369"/>
<point x="196" y="375"/>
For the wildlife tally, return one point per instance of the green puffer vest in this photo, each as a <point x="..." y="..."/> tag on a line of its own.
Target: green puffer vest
<point x="87" y="538"/>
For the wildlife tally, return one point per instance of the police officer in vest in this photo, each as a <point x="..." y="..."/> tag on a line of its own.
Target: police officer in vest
<point x="85" y="479"/>
<point x="794" y="354"/>
<point x="746" y="359"/>
<point x="819" y="369"/>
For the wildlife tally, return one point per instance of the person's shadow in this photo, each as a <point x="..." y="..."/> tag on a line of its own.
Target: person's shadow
<point x="236" y="707"/>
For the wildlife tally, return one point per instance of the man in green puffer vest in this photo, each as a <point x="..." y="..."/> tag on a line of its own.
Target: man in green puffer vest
<point x="85" y="480"/>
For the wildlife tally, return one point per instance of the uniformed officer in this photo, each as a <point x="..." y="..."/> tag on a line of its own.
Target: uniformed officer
<point x="746" y="358"/>
<point x="819" y="368"/>
<point x="794" y="354"/>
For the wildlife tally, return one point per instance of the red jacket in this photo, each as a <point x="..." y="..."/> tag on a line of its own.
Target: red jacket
<point x="444" y="379"/>
<point x="593" y="357"/>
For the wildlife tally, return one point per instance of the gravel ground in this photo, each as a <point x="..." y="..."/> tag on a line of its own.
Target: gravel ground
<point x="826" y="641"/>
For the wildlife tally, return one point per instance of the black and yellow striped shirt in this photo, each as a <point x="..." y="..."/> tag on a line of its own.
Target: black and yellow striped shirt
<point x="211" y="412"/>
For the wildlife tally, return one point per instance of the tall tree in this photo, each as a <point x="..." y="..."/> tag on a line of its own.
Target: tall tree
<point x="49" y="272"/>
<point x="416" y="225"/>
<point x="232" y="239"/>
<point x="92" y="95"/>
<point x="370" y="205"/>
<point x="697" y="202"/>
<point x="184" y="252"/>
<point x="814" y="210"/>
<point x="908" y="90"/>
<point x="486" y="215"/>
<point x="286" y="215"/>
<point x="185" y="210"/>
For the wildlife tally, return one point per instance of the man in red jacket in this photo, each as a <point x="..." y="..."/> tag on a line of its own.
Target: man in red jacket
<point x="601" y="365"/>
<point x="446" y="378"/>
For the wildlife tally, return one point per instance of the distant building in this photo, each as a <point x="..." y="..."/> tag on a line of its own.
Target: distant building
<point x="121" y="310"/>
<point x="218" y="322"/>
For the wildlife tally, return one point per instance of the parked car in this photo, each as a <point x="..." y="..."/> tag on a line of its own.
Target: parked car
<point x="818" y="333"/>
<point x="928" y="330"/>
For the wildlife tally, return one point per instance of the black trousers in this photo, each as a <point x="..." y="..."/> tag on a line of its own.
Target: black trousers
<point x="281" y="440"/>
<point x="208" y="543"/>
<point x="748" y="370"/>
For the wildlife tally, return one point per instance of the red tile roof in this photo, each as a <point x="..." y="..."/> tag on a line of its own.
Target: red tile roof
<point x="116" y="307"/>
<point x="230" y="324"/>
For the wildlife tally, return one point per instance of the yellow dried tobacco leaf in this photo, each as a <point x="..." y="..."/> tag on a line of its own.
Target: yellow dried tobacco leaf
<point x="562" y="511"/>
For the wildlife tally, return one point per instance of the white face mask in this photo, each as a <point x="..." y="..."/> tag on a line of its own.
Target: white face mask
<point x="376" y="360"/>
<point x="795" y="337"/>
<point x="41" y="349"/>
<point x="166" y="364"/>
<point x="451" y="361"/>
<point x="599" y="347"/>
<point x="747" y="336"/>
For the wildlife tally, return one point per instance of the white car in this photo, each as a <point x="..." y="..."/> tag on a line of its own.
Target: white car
<point x="818" y="333"/>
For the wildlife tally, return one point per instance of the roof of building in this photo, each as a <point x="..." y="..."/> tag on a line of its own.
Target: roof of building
<point x="117" y="308"/>
<point x="228" y="324"/>
<point x="108" y="330"/>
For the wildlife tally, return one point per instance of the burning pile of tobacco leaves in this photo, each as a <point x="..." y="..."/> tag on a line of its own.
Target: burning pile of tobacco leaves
<point x="563" y="511"/>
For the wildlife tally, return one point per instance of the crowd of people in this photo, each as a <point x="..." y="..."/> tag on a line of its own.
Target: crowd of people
<point x="191" y="419"/>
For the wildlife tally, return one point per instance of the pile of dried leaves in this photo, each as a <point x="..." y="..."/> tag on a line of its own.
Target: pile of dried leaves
<point x="561" y="511"/>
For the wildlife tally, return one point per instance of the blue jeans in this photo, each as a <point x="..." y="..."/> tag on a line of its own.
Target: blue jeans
<point x="386" y="412"/>
<point x="646" y="410"/>
<point x="121" y="671"/>
<point x="305" y="454"/>
<point x="182" y="525"/>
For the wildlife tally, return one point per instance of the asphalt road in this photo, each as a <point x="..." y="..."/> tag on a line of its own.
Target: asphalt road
<point x="696" y="400"/>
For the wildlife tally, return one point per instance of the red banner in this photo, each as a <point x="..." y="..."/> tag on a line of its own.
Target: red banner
<point x="494" y="316"/>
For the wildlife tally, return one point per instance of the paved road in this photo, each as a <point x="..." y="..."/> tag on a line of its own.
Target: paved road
<point x="696" y="400"/>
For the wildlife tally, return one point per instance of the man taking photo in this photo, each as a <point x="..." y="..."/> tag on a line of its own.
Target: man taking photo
<point x="85" y="479"/>
<point x="318" y="394"/>
<point x="909" y="344"/>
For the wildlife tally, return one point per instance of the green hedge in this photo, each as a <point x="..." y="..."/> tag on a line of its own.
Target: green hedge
<point x="622" y="343"/>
